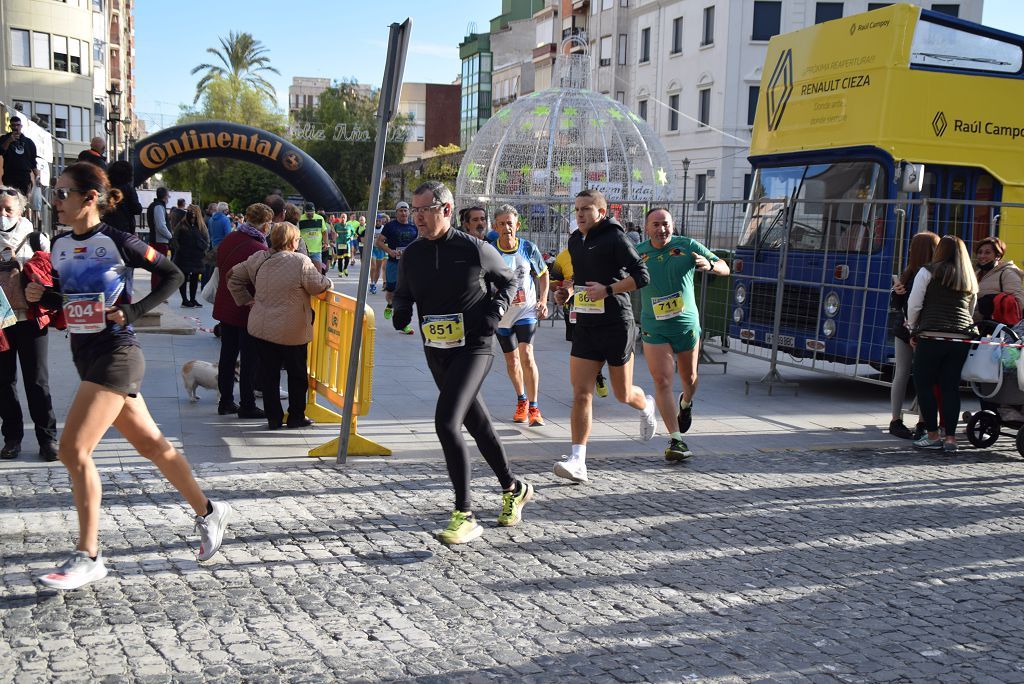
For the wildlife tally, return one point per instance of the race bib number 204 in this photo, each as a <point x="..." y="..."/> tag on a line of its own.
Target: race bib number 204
<point x="85" y="312"/>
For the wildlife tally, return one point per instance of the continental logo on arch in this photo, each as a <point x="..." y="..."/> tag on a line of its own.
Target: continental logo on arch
<point x="780" y="88"/>
<point x="157" y="154"/>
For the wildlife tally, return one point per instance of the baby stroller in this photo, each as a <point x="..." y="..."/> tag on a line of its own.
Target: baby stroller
<point x="1002" y="402"/>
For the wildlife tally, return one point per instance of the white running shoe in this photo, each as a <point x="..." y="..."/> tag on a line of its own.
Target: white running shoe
<point x="282" y="394"/>
<point x="78" y="570"/>
<point x="570" y="468"/>
<point x="211" y="529"/>
<point x="648" y="425"/>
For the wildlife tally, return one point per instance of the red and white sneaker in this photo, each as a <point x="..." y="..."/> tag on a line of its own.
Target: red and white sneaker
<point x="77" y="571"/>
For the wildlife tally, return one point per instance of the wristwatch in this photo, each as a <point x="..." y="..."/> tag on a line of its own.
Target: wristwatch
<point x="608" y="290"/>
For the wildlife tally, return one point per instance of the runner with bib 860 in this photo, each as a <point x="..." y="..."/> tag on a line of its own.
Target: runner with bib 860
<point x="669" y="320"/>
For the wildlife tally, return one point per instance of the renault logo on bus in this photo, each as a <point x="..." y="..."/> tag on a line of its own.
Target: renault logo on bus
<point x="780" y="87"/>
<point x="939" y="124"/>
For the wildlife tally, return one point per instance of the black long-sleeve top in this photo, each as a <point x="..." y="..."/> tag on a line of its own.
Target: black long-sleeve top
<point x="605" y="255"/>
<point x="456" y="273"/>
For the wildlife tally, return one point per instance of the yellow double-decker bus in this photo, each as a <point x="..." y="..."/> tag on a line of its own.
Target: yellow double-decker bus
<point x="871" y="128"/>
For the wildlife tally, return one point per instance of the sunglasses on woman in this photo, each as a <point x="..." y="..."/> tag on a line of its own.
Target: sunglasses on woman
<point x="63" y="193"/>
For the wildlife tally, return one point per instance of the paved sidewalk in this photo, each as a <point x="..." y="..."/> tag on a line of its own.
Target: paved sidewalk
<point x="800" y="544"/>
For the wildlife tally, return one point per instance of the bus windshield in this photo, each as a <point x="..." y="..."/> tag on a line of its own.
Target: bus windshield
<point x="831" y="205"/>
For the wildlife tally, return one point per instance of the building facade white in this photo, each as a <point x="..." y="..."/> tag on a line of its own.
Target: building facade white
<point x="63" y="65"/>
<point x="692" y="69"/>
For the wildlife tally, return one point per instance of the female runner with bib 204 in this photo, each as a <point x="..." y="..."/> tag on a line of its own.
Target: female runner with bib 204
<point x="92" y="268"/>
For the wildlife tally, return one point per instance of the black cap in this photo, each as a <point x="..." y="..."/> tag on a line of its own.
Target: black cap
<point x="308" y="206"/>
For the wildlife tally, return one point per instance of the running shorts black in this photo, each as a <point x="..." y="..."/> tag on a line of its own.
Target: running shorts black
<point x="523" y="332"/>
<point x="120" y="369"/>
<point x="610" y="343"/>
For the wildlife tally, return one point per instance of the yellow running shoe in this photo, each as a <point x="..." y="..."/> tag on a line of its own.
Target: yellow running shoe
<point x="512" y="504"/>
<point x="602" y="388"/>
<point x="462" y="528"/>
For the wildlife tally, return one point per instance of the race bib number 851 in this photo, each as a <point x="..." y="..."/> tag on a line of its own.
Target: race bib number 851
<point x="445" y="331"/>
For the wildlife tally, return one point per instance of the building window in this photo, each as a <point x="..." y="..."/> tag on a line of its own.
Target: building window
<point x="620" y="96"/>
<point x="767" y="19"/>
<point x="641" y="109"/>
<point x="708" y="35"/>
<point x="60" y="121"/>
<point x="703" y="106"/>
<point x="622" y="49"/>
<point x="76" y="125"/>
<point x="74" y="56"/>
<point x="97" y="5"/>
<point x="60" y="53"/>
<point x="827" y="11"/>
<point x="606" y="50"/>
<point x="673" y="112"/>
<point x="952" y="9"/>
<point x="677" y="36"/>
<point x="752" y="94"/>
<point x="645" y="45"/>
<point x="41" y="50"/>
<point x="99" y="49"/>
<point x="607" y="4"/>
<point x="747" y="179"/>
<point x="20" y="48"/>
<point x="701" y="190"/>
<point x="42" y="114"/>
<point x="24" y="107"/>
<point x="623" y="3"/>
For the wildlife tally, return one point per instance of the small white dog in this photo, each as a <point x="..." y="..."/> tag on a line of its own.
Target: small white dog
<point x="197" y="373"/>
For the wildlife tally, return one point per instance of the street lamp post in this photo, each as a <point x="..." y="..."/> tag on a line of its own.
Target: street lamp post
<point x="686" y="170"/>
<point x="113" y="117"/>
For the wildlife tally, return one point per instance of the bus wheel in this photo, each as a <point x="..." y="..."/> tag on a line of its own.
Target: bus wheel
<point x="983" y="430"/>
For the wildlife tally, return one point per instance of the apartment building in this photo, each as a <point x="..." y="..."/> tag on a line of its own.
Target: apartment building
<point x="69" y="65"/>
<point x="690" y="68"/>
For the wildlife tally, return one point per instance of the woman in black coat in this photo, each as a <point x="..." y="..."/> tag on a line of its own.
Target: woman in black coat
<point x="123" y="215"/>
<point x="191" y="240"/>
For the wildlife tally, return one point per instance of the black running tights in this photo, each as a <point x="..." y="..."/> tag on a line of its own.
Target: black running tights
<point x="458" y="376"/>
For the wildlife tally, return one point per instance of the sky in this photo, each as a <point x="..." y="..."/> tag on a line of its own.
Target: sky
<point x="336" y="39"/>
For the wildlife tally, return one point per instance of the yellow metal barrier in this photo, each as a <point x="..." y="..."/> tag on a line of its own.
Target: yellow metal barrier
<point x="327" y="366"/>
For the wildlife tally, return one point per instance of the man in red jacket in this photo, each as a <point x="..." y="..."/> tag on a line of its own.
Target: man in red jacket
<point x="235" y="248"/>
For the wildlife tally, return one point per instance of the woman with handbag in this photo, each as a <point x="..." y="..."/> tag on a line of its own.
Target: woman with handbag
<point x="191" y="241"/>
<point x="281" y="320"/>
<point x="235" y="343"/>
<point x="21" y="249"/>
<point x="940" y="313"/>
<point x="995" y="276"/>
<point x="922" y="248"/>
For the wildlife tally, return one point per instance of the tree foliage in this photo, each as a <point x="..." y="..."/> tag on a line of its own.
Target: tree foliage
<point x="344" y="108"/>
<point x="236" y="182"/>
<point x="442" y="167"/>
<point x="243" y="59"/>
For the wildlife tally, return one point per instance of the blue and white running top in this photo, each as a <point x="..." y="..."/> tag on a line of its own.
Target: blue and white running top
<point x="100" y="262"/>
<point x="526" y="263"/>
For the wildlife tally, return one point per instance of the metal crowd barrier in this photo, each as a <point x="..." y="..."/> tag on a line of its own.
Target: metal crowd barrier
<point x="327" y="368"/>
<point x="810" y="278"/>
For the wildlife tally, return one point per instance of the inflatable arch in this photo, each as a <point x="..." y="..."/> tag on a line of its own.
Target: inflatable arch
<point x="205" y="139"/>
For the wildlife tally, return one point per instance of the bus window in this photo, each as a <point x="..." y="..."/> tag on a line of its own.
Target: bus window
<point x="984" y="191"/>
<point x="955" y="224"/>
<point x="831" y="207"/>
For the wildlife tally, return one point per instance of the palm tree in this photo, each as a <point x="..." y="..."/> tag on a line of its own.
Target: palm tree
<point x="243" y="59"/>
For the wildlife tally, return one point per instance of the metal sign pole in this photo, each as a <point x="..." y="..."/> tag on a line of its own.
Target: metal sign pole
<point x="391" y="87"/>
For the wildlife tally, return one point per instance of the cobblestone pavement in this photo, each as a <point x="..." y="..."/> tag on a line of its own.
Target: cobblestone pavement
<point x="790" y="566"/>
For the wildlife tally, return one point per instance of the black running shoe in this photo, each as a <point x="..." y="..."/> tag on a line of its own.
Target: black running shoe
<point x="677" y="451"/>
<point x="685" y="415"/>
<point x="898" y="429"/>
